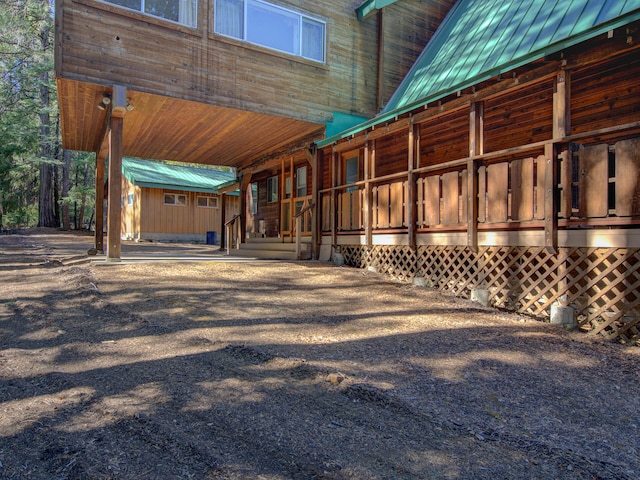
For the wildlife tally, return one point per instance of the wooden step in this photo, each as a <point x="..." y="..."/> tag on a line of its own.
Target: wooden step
<point x="270" y="249"/>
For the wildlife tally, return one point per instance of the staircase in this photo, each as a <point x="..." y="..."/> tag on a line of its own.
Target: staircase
<point x="273" y="249"/>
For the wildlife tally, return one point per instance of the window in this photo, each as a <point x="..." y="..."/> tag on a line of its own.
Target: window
<point x="351" y="172"/>
<point x="274" y="27"/>
<point x="208" y="202"/>
<point x="287" y="187"/>
<point x="180" y="11"/>
<point x="301" y="182"/>
<point x="176" y="199"/>
<point x="252" y="200"/>
<point x="272" y="189"/>
<point x="130" y="199"/>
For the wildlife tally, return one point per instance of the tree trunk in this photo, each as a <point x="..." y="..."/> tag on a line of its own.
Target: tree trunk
<point x="66" y="165"/>
<point x="83" y="199"/>
<point x="46" y="217"/>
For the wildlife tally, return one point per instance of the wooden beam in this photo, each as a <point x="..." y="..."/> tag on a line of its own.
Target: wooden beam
<point x="223" y="219"/>
<point x="100" y="167"/>
<point x="245" y="180"/>
<point x="312" y="158"/>
<point x="334" y="199"/>
<point x="380" y="75"/>
<point x="562" y="105"/>
<point x="114" y="210"/>
<point x="551" y="200"/>
<point x="476" y="147"/>
<point x="229" y="188"/>
<point x="412" y="194"/>
<point x="368" y="199"/>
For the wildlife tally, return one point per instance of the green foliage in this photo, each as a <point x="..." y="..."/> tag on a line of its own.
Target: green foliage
<point x="28" y="138"/>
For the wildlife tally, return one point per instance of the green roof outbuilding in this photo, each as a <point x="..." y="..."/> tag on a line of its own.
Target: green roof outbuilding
<point x="156" y="174"/>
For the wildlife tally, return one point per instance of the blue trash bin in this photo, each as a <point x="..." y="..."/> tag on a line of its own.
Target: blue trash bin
<point x="212" y="238"/>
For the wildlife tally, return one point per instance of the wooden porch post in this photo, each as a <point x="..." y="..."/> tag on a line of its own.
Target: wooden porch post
<point x="223" y="219"/>
<point x="334" y="198"/>
<point x="99" y="234"/>
<point x="412" y="207"/>
<point x="312" y="158"/>
<point x="476" y="147"/>
<point x="244" y="183"/>
<point x="561" y="128"/>
<point x="114" y="210"/>
<point x="368" y="212"/>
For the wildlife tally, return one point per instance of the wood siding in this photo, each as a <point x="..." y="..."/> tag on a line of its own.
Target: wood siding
<point x="104" y="44"/>
<point x="149" y="214"/>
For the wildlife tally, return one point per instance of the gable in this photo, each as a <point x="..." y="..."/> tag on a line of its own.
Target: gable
<point x="480" y="39"/>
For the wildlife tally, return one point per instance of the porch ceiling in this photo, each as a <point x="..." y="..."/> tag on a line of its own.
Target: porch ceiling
<point x="165" y="128"/>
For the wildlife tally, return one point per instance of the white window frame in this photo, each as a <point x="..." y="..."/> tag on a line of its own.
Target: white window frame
<point x="272" y="189"/>
<point x="301" y="17"/>
<point x="187" y="22"/>
<point x="301" y="175"/>
<point x="211" y="202"/>
<point x="130" y="199"/>
<point x="173" y="199"/>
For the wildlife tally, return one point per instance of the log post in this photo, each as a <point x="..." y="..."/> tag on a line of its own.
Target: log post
<point x="476" y="147"/>
<point x="368" y="212"/>
<point x="114" y="210"/>
<point x="412" y="195"/>
<point x="99" y="233"/>
<point x="312" y="158"/>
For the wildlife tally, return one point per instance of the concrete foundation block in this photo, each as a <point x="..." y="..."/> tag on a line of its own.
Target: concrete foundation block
<point x="480" y="296"/>
<point x="563" y="316"/>
<point x="419" y="281"/>
<point x="337" y="258"/>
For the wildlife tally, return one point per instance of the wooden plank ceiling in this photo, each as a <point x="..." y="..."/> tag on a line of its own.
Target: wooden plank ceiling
<point x="165" y="128"/>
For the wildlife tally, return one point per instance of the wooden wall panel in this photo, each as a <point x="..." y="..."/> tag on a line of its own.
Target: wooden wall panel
<point x="392" y="154"/>
<point x="627" y="177"/>
<point x="397" y="200"/>
<point x="482" y="194"/>
<point x="594" y="181"/>
<point x="450" y="198"/>
<point x="497" y="192"/>
<point x="432" y="200"/>
<point x="444" y="138"/>
<point x="155" y="56"/>
<point x="381" y="206"/>
<point x="606" y="95"/>
<point x="518" y="118"/>
<point x="541" y="168"/>
<point x="522" y="189"/>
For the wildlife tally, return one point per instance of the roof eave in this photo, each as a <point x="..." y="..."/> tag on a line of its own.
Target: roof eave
<point x="370" y="6"/>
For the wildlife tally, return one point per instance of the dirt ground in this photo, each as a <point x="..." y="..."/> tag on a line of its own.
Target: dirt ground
<point x="290" y="370"/>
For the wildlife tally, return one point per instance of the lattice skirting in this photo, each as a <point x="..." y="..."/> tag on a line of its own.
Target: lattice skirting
<point x="601" y="284"/>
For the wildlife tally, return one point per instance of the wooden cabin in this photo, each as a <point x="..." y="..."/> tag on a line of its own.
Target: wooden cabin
<point x="175" y="203"/>
<point x="244" y="83"/>
<point x="479" y="144"/>
<point x="507" y="161"/>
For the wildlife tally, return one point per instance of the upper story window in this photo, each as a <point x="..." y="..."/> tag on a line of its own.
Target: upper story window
<point x="180" y="11"/>
<point x="275" y="27"/>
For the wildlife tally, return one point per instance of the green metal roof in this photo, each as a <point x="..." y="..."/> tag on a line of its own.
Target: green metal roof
<point x="155" y="174"/>
<point x="480" y="39"/>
